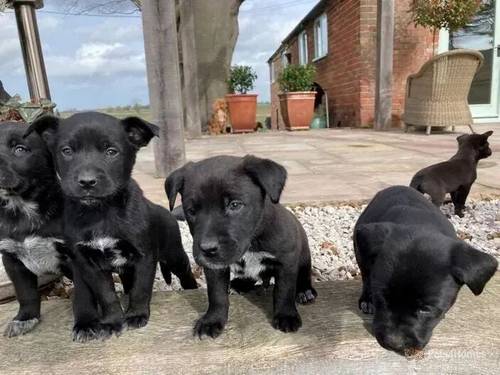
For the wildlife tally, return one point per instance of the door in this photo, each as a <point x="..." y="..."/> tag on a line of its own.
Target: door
<point x="482" y="34"/>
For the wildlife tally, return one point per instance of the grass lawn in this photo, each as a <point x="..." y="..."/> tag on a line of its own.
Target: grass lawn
<point x="263" y="111"/>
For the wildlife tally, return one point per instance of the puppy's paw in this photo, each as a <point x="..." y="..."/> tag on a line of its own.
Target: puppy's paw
<point x="287" y="322"/>
<point x="137" y="321"/>
<point x="459" y="213"/>
<point x="307" y="296"/>
<point x="208" y="326"/>
<point x="20" y="327"/>
<point x="84" y="332"/>
<point x="109" y="329"/>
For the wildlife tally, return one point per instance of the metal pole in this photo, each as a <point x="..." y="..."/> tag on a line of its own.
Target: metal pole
<point x="31" y="46"/>
<point x="385" y="49"/>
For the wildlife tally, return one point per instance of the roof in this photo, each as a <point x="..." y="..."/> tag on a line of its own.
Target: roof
<point x="313" y="13"/>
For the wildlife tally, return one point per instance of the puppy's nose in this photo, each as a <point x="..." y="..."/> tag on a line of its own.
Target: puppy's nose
<point x="209" y="248"/>
<point x="87" y="180"/>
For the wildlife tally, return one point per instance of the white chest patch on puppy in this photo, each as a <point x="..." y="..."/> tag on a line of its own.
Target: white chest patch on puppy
<point x="38" y="254"/>
<point x="15" y="203"/>
<point x="107" y="245"/>
<point x="251" y="264"/>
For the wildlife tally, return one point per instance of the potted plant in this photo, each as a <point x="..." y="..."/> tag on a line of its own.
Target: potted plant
<point x="297" y="98"/>
<point x="242" y="106"/>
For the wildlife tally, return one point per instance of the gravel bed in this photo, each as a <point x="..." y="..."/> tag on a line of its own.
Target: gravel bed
<point x="329" y="229"/>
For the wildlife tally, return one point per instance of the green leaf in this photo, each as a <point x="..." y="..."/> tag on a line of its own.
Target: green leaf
<point x="444" y="14"/>
<point x="241" y="79"/>
<point x="297" y="78"/>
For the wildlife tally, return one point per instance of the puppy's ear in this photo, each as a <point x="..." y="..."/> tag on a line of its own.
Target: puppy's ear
<point x="175" y="184"/>
<point x="488" y="134"/>
<point x="139" y="131"/>
<point x="461" y="138"/>
<point x="472" y="267"/>
<point x="46" y="126"/>
<point x="269" y="175"/>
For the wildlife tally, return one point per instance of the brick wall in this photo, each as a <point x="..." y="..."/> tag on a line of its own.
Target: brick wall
<point x="412" y="47"/>
<point x="347" y="73"/>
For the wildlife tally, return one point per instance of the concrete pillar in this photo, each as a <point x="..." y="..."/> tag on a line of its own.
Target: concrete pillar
<point x="164" y="83"/>
<point x="31" y="47"/>
<point x="385" y="51"/>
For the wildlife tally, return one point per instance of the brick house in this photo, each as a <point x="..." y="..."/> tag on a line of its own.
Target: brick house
<point x="339" y="38"/>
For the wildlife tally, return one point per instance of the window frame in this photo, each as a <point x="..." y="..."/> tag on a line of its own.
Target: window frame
<point x="320" y="37"/>
<point x="284" y="59"/>
<point x="303" y="48"/>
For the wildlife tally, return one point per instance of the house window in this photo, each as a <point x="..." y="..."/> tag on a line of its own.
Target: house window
<point x="303" y="58"/>
<point x="285" y="59"/>
<point x="273" y="73"/>
<point x="320" y="37"/>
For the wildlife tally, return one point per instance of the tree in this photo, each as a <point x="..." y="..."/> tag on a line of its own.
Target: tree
<point x="216" y="34"/>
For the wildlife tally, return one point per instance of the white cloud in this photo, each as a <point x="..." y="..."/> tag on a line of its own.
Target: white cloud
<point x="113" y="31"/>
<point x="97" y="60"/>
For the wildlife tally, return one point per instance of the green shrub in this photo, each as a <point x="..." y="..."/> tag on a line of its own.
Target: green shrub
<point x="444" y="14"/>
<point x="241" y="79"/>
<point x="297" y="78"/>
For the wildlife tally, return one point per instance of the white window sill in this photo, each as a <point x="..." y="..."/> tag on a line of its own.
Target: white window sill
<point x="319" y="57"/>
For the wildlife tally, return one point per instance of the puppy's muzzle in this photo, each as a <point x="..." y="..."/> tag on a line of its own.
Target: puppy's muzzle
<point x="209" y="248"/>
<point x="87" y="180"/>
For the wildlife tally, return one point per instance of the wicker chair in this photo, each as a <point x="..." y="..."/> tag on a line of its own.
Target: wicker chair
<point x="437" y="95"/>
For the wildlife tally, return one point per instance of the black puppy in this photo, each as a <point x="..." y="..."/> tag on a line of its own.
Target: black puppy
<point x="413" y="266"/>
<point x="109" y="224"/>
<point x="456" y="175"/>
<point x="30" y="220"/>
<point x="231" y="206"/>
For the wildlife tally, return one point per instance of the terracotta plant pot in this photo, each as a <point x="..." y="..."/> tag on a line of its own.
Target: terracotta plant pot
<point x="242" y="112"/>
<point x="297" y="109"/>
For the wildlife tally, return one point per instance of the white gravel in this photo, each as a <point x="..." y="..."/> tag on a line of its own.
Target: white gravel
<point x="329" y="229"/>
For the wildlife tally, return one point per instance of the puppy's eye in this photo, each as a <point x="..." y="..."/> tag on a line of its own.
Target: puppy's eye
<point x="20" y="150"/>
<point x="111" y="151"/>
<point x="191" y="211"/>
<point x="235" y="205"/>
<point x="67" y="151"/>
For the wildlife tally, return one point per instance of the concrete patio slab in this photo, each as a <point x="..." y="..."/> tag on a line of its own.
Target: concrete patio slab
<point x="334" y="339"/>
<point x="335" y="164"/>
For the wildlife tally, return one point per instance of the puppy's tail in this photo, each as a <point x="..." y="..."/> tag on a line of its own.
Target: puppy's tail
<point x="178" y="213"/>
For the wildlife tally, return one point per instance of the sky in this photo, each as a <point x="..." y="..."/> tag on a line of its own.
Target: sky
<point x="96" y="62"/>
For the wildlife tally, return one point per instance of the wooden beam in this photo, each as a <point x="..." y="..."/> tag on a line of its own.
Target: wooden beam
<point x="335" y="338"/>
<point x="165" y="95"/>
<point x="190" y="70"/>
<point x="385" y="48"/>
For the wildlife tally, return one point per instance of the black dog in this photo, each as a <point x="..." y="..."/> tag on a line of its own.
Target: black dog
<point x="109" y="224"/>
<point x="231" y="206"/>
<point x="30" y="220"/>
<point x="456" y="175"/>
<point x="413" y="266"/>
